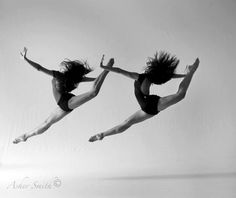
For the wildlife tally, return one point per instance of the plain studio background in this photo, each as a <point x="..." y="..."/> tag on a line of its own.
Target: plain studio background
<point x="188" y="150"/>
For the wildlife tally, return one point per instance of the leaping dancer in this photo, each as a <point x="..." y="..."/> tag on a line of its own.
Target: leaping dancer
<point x="159" y="70"/>
<point x="62" y="84"/>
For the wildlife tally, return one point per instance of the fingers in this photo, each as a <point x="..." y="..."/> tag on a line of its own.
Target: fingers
<point x="112" y="61"/>
<point x="22" y="55"/>
<point x="24" y="52"/>
<point x="101" y="63"/>
<point x="103" y="57"/>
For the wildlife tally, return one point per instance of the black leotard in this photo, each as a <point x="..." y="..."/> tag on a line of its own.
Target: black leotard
<point x="65" y="96"/>
<point x="148" y="103"/>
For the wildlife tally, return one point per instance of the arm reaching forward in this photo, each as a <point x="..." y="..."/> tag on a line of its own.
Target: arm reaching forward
<point x="132" y="75"/>
<point x="88" y="79"/>
<point x="35" y="65"/>
<point x="179" y="75"/>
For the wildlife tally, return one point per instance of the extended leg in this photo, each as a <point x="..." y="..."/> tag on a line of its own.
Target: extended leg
<point x="137" y="117"/>
<point x="167" y="101"/>
<point x="76" y="101"/>
<point x="57" y="115"/>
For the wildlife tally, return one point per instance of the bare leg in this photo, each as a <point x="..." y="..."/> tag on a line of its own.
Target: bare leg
<point x="76" y="101"/>
<point x="163" y="103"/>
<point x="57" y="115"/>
<point x="137" y="117"/>
<point x="167" y="101"/>
<point x="190" y="71"/>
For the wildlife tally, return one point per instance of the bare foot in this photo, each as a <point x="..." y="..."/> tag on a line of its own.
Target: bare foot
<point x="111" y="62"/>
<point x="192" y="68"/>
<point x="94" y="138"/>
<point x="22" y="138"/>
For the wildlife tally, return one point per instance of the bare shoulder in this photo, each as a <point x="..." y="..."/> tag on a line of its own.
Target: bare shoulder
<point x="134" y="75"/>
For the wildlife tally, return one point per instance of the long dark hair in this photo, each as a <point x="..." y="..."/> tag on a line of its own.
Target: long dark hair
<point x="72" y="74"/>
<point x="161" y="67"/>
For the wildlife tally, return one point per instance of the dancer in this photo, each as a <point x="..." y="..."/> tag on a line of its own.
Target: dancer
<point x="159" y="70"/>
<point x="62" y="84"/>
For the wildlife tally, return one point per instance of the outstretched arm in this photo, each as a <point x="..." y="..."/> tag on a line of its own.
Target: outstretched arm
<point x="132" y="75"/>
<point x="35" y="65"/>
<point x="179" y="75"/>
<point x="88" y="79"/>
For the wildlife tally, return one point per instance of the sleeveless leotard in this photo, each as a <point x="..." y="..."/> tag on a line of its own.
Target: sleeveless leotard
<point x="65" y="96"/>
<point x="148" y="103"/>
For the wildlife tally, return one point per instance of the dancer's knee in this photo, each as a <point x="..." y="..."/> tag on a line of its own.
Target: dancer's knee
<point x="181" y="94"/>
<point x="94" y="92"/>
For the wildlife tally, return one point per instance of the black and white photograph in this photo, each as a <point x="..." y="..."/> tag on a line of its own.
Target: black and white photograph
<point x="123" y="99"/>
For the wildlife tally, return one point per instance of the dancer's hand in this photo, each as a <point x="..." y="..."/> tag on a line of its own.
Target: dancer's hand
<point x="192" y="68"/>
<point x="24" y="53"/>
<point x="109" y="64"/>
